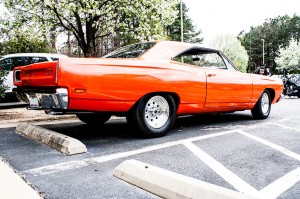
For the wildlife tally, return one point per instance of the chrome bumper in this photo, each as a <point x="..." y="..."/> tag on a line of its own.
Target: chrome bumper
<point x="56" y="100"/>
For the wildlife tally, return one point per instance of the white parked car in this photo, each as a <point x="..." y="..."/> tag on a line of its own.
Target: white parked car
<point x="22" y="59"/>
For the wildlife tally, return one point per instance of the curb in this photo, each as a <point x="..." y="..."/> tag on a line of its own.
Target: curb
<point x="167" y="184"/>
<point x="9" y="105"/>
<point x="60" y="142"/>
<point x="12" y="186"/>
<point x="38" y="121"/>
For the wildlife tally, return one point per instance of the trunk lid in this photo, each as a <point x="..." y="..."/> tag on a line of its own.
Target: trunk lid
<point x="40" y="74"/>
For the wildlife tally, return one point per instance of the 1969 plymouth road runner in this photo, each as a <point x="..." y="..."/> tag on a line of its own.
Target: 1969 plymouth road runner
<point x="150" y="83"/>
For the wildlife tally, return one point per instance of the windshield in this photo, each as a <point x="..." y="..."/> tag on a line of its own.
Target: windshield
<point x="131" y="51"/>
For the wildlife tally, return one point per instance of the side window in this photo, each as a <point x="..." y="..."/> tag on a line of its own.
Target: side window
<point x="11" y="63"/>
<point x="202" y="58"/>
<point x="32" y="60"/>
<point x="54" y="58"/>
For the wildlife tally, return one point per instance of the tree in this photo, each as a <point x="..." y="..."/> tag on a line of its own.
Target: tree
<point x="25" y="42"/>
<point x="91" y="20"/>
<point x="289" y="57"/>
<point x="231" y="47"/>
<point x="189" y="30"/>
<point x="276" y="33"/>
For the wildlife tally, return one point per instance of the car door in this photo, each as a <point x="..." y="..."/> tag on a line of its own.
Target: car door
<point x="227" y="87"/>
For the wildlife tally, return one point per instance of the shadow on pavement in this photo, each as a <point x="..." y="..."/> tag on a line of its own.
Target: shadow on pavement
<point x="118" y="128"/>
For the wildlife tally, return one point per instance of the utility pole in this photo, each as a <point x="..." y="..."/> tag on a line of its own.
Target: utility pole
<point x="263" y="43"/>
<point x="181" y="20"/>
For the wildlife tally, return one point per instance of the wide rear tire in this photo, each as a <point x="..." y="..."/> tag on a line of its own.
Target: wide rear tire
<point x="262" y="108"/>
<point x="154" y="115"/>
<point x="93" y="118"/>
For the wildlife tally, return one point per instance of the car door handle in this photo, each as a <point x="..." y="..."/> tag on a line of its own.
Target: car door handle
<point x="211" y="75"/>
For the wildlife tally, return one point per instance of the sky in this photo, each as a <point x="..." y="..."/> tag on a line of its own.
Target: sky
<point x="215" y="17"/>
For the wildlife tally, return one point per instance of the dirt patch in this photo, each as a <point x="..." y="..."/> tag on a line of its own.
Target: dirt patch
<point x="27" y="115"/>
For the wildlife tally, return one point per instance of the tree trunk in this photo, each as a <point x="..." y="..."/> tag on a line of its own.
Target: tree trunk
<point x="69" y="44"/>
<point x="53" y="37"/>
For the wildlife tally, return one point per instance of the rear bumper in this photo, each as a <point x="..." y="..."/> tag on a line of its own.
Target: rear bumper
<point x="44" y="99"/>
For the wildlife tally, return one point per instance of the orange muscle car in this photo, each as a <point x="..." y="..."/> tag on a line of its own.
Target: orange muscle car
<point x="150" y="83"/>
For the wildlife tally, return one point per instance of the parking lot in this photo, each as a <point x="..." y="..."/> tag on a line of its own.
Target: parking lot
<point x="259" y="157"/>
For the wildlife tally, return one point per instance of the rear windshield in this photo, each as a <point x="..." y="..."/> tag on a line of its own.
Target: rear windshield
<point x="131" y="51"/>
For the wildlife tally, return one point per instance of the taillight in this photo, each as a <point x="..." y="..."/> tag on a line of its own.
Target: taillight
<point x="17" y="75"/>
<point x="56" y="73"/>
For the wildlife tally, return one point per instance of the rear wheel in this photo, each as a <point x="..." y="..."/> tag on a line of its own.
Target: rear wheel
<point x="153" y="115"/>
<point x="262" y="108"/>
<point x="93" y="118"/>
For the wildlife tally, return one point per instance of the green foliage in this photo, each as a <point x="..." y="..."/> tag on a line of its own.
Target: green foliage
<point x="276" y="33"/>
<point x="189" y="31"/>
<point x="18" y="37"/>
<point x="289" y="58"/>
<point x="3" y="73"/>
<point x="91" y="20"/>
<point x="232" y="48"/>
<point x="25" y="43"/>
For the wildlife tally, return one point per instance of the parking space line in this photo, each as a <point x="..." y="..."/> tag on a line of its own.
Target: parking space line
<point x="221" y="170"/>
<point x="270" y="144"/>
<point x="286" y="127"/>
<point x="100" y="159"/>
<point x="281" y="185"/>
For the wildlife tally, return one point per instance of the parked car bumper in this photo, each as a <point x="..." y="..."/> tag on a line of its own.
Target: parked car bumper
<point x="58" y="99"/>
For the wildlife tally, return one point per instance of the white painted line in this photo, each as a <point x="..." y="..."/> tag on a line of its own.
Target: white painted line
<point x="81" y="163"/>
<point x="222" y="171"/>
<point x="272" y="145"/>
<point x="279" y="186"/>
<point x="286" y="127"/>
<point x="167" y="184"/>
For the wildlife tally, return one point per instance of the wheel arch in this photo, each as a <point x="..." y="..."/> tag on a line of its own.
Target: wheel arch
<point x="175" y="96"/>
<point x="272" y="93"/>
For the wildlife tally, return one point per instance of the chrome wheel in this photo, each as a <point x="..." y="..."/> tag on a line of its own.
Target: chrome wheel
<point x="265" y="104"/>
<point x="153" y="115"/>
<point x="262" y="108"/>
<point x="157" y="112"/>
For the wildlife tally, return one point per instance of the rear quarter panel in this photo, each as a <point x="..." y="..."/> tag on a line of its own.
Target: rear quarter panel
<point x="114" y="85"/>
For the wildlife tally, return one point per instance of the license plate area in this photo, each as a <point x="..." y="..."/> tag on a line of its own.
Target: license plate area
<point x="33" y="100"/>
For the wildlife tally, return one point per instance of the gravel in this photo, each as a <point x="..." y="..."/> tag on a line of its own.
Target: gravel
<point x="22" y="114"/>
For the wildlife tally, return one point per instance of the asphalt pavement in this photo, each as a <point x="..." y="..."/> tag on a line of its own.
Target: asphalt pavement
<point x="228" y="150"/>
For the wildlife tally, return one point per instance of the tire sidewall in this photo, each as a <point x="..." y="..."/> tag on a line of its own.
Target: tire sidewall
<point x="145" y="127"/>
<point x="259" y="104"/>
<point x="93" y="118"/>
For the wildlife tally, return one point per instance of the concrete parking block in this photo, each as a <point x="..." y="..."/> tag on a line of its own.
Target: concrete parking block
<point x="168" y="184"/>
<point x="60" y="142"/>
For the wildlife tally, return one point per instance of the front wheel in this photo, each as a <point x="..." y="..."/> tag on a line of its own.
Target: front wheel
<point x="93" y="118"/>
<point x="153" y="115"/>
<point x="262" y="108"/>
